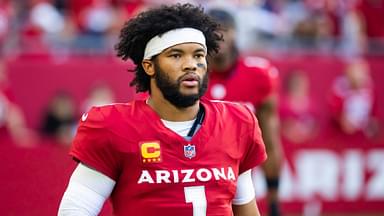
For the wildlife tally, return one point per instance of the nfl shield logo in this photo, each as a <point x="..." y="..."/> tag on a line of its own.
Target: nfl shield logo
<point x="189" y="151"/>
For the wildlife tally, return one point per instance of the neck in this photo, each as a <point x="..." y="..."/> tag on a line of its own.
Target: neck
<point x="168" y="111"/>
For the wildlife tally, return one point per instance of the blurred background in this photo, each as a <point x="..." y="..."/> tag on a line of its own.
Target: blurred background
<point x="57" y="60"/>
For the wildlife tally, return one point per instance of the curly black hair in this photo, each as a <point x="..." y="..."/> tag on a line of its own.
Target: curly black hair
<point x="138" y="31"/>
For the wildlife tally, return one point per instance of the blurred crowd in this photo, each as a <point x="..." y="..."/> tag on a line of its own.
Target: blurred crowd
<point x="350" y="27"/>
<point x="59" y="118"/>
<point x="352" y="104"/>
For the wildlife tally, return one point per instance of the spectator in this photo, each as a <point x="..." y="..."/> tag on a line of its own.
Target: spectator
<point x="100" y="94"/>
<point x="371" y="13"/>
<point x="133" y="7"/>
<point x="353" y="101"/>
<point x="12" y="122"/>
<point x="46" y="17"/>
<point x="256" y="25"/>
<point x="353" y="36"/>
<point x="297" y="110"/>
<point x="62" y="5"/>
<point x="46" y="28"/>
<point x="96" y="21"/>
<point x="5" y="14"/>
<point x="314" y="31"/>
<point x="59" y="119"/>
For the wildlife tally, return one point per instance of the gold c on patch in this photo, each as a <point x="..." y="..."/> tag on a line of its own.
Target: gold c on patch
<point x="150" y="152"/>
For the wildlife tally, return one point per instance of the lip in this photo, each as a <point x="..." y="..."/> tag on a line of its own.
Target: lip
<point x="190" y="77"/>
<point x="190" y="80"/>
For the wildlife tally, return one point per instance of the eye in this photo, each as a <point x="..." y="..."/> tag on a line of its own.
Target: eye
<point x="199" y="55"/>
<point x="175" y="55"/>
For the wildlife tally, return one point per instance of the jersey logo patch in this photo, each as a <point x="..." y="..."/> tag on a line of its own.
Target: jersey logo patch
<point x="150" y="152"/>
<point x="84" y="117"/>
<point x="189" y="151"/>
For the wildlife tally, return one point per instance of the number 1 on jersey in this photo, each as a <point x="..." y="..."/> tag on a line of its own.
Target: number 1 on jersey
<point x="196" y="196"/>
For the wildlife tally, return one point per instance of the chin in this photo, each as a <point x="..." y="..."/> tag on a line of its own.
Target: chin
<point x="189" y="93"/>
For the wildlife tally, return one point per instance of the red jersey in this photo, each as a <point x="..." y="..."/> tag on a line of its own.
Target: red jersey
<point x="358" y="106"/>
<point x="158" y="172"/>
<point x="249" y="81"/>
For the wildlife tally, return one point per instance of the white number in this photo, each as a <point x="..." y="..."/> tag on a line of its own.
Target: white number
<point x="196" y="196"/>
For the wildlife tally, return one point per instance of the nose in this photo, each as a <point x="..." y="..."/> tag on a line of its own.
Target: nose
<point x="190" y="64"/>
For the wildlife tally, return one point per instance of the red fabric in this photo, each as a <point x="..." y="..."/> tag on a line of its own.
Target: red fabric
<point x="77" y="7"/>
<point x="373" y="15"/>
<point x="111" y="140"/>
<point x="250" y="82"/>
<point x="133" y="7"/>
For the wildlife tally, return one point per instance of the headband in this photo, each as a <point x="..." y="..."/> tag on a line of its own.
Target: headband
<point x="173" y="37"/>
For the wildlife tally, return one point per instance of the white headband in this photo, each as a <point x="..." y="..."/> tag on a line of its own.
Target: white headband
<point x="173" y="37"/>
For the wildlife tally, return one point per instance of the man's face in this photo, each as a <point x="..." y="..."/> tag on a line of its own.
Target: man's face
<point x="227" y="52"/>
<point x="227" y="45"/>
<point x="181" y="74"/>
<point x="358" y="73"/>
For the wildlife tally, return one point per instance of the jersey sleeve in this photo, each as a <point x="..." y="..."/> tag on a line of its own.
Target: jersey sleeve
<point x="269" y="82"/>
<point x="255" y="150"/>
<point x="91" y="145"/>
<point x="265" y="77"/>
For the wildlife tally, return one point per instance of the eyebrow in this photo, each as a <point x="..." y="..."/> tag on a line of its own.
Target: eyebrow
<point x="182" y="51"/>
<point x="200" y="50"/>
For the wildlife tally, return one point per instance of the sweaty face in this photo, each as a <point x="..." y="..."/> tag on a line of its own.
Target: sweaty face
<point x="181" y="74"/>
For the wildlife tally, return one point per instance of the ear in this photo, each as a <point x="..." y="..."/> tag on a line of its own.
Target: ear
<point x="148" y="67"/>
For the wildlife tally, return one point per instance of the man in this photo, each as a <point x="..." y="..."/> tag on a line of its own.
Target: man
<point x="353" y="102"/>
<point x="13" y="128"/>
<point x="251" y="81"/>
<point x="172" y="154"/>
